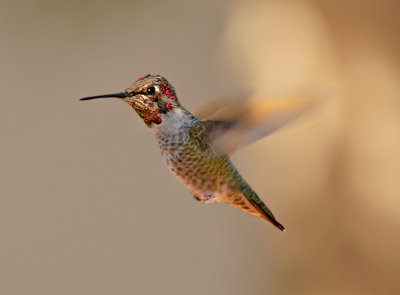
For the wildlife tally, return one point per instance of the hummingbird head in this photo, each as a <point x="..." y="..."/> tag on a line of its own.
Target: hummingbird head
<point x="150" y="96"/>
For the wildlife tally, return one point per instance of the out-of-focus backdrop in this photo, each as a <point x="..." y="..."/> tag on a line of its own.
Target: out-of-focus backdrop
<point x="87" y="205"/>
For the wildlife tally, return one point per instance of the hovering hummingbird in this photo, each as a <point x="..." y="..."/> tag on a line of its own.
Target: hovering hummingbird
<point x="196" y="146"/>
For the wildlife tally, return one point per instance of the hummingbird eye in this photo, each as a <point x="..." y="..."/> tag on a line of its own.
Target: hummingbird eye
<point x="151" y="90"/>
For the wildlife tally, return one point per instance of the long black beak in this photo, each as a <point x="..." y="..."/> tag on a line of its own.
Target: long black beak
<point x="119" y="95"/>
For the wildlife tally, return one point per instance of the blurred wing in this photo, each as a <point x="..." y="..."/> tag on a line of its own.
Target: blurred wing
<point x="234" y="124"/>
<point x="207" y="109"/>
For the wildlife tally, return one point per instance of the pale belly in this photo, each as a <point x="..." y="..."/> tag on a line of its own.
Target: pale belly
<point x="208" y="179"/>
<point x="198" y="173"/>
<point x="205" y="178"/>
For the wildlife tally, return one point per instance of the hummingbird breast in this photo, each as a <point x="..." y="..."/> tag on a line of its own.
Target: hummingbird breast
<point x="188" y="154"/>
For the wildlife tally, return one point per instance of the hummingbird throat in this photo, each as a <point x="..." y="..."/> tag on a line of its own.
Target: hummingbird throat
<point x="150" y="117"/>
<point x="155" y="104"/>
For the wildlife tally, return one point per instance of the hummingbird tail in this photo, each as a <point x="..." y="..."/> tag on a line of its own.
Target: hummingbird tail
<point x="248" y="202"/>
<point x="267" y="214"/>
<point x="260" y="207"/>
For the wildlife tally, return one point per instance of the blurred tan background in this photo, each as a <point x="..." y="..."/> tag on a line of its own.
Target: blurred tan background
<point x="87" y="205"/>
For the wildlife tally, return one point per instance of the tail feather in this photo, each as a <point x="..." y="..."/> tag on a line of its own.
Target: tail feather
<point x="266" y="213"/>
<point x="259" y="205"/>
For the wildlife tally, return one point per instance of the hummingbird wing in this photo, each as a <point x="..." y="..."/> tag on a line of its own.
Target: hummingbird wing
<point x="234" y="124"/>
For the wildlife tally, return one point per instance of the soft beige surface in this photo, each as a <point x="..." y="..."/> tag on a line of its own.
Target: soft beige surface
<point x="87" y="205"/>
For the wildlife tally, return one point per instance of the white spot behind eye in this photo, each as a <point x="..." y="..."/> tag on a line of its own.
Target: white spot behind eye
<point x="157" y="88"/>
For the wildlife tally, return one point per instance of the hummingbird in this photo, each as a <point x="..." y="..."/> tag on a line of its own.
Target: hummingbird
<point x="197" y="146"/>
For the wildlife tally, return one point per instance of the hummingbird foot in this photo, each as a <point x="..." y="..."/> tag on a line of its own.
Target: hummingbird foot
<point x="208" y="198"/>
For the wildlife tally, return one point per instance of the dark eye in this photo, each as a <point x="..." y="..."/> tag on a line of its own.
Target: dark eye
<point x="151" y="90"/>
